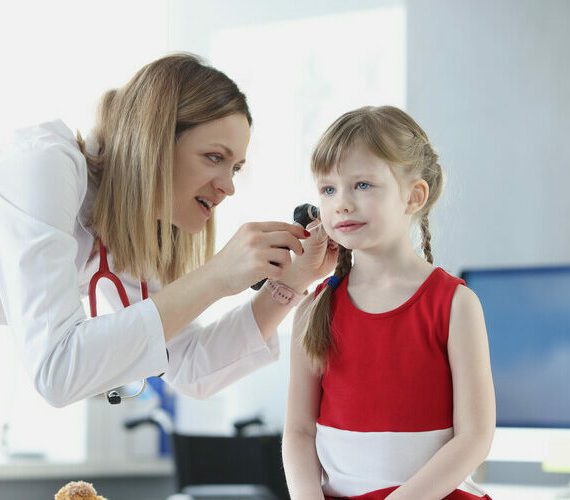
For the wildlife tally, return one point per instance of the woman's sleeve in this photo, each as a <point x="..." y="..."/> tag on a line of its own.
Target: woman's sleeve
<point x="205" y="359"/>
<point x="68" y="356"/>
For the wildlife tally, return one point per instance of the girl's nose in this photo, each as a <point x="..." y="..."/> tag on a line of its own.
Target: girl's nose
<point x="344" y="205"/>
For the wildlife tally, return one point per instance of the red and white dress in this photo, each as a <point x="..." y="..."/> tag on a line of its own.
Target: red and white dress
<point x="387" y="398"/>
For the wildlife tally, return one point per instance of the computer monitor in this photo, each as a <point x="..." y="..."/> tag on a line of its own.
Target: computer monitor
<point x="527" y="313"/>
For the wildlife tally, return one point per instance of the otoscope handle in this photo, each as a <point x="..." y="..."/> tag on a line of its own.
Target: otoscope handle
<point x="302" y="215"/>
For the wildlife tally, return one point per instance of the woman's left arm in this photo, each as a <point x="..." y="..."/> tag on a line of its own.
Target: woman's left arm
<point x="318" y="260"/>
<point x="205" y="359"/>
<point x="473" y="406"/>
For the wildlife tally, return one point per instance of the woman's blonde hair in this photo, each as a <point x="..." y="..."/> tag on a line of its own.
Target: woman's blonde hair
<point x="136" y="131"/>
<point x="396" y="138"/>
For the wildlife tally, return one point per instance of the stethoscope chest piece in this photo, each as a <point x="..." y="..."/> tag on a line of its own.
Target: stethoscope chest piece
<point x="113" y="397"/>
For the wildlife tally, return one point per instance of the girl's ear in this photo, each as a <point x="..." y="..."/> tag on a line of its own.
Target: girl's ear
<point x="418" y="197"/>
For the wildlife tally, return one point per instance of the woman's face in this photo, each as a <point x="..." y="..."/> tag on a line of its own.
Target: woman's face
<point x="206" y="158"/>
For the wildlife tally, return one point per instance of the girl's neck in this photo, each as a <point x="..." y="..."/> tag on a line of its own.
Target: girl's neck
<point x="385" y="265"/>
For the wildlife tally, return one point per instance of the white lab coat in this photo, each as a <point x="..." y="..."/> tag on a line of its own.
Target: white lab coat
<point x="45" y="243"/>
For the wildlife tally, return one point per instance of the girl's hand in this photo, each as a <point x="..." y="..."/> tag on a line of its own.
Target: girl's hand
<point x="318" y="260"/>
<point x="257" y="250"/>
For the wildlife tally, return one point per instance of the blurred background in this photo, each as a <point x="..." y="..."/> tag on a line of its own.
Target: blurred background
<point x="485" y="79"/>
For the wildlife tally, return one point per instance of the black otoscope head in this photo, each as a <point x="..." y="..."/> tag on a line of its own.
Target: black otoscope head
<point x="303" y="214"/>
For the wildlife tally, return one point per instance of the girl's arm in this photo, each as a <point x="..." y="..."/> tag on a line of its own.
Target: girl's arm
<point x="473" y="406"/>
<point x="302" y="466"/>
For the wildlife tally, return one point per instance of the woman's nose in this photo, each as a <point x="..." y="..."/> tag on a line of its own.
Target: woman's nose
<point x="225" y="184"/>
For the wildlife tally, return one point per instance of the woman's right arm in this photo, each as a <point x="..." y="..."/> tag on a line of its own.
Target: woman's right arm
<point x="302" y="466"/>
<point x="245" y="260"/>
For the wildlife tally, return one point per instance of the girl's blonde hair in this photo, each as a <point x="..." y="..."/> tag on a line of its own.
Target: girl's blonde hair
<point x="136" y="131"/>
<point x="396" y="138"/>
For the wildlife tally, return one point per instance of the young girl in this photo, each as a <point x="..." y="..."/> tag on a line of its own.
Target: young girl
<point x="391" y="394"/>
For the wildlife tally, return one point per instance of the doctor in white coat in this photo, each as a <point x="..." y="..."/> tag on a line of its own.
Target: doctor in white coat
<point x="135" y="203"/>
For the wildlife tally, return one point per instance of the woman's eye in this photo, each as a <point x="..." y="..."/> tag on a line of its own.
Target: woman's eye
<point x="362" y="185"/>
<point x="215" y="157"/>
<point x="328" y="190"/>
<point x="237" y="169"/>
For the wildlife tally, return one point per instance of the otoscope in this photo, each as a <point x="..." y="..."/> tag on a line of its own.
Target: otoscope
<point x="302" y="215"/>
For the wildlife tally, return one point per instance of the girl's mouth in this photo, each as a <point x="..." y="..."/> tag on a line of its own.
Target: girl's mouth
<point x="350" y="228"/>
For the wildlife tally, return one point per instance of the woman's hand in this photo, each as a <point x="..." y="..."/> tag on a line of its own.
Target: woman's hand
<point x="257" y="250"/>
<point x="318" y="260"/>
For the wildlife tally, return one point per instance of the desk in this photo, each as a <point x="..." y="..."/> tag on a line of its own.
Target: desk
<point x="23" y="470"/>
<point x="514" y="492"/>
<point x="148" y="480"/>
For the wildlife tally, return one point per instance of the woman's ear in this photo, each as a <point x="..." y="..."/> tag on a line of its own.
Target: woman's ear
<point x="418" y="197"/>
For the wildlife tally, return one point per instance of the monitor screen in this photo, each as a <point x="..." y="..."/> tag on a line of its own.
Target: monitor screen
<point x="527" y="313"/>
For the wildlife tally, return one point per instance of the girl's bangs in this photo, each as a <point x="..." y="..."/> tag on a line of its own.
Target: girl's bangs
<point x="332" y="147"/>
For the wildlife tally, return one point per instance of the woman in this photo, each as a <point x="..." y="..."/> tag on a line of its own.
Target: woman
<point x="143" y="188"/>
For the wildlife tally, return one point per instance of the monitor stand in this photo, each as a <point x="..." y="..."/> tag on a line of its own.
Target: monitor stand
<point x="564" y="493"/>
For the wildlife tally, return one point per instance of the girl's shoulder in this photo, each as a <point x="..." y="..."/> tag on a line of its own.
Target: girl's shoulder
<point x="448" y="293"/>
<point x="443" y="286"/>
<point x="448" y="278"/>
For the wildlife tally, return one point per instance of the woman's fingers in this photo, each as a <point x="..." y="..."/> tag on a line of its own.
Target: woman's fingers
<point x="316" y="229"/>
<point x="279" y="256"/>
<point x="278" y="235"/>
<point x="274" y="226"/>
<point x="284" y="239"/>
<point x="256" y="251"/>
<point x="314" y="224"/>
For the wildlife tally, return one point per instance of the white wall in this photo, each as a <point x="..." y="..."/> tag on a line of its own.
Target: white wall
<point x="58" y="57"/>
<point x="489" y="82"/>
<point x="192" y="22"/>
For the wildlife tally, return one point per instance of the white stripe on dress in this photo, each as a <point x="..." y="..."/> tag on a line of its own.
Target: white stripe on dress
<point x="355" y="463"/>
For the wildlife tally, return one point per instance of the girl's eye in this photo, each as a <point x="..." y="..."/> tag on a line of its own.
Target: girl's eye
<point x="328" y="190"/>
<point x="215" y="157"/>
<point x="362" y="185"/>
<point x="237" y="169"/>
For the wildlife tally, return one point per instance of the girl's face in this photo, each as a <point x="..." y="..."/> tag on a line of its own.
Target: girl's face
<point x="362" y="205"/>
<point x="206" y="158"/>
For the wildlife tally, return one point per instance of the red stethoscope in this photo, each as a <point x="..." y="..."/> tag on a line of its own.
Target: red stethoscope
<point x="114" y="396"/>
<point x="105" y="272"/>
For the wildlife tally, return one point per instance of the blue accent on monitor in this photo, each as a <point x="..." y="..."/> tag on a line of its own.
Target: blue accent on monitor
<point x="527" y="313"/>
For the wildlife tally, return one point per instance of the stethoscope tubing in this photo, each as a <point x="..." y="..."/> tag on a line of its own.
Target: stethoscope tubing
<point x="113" y="395"/>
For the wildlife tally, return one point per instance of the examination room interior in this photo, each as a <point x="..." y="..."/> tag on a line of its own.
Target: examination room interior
<point x="488" y="80"/>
